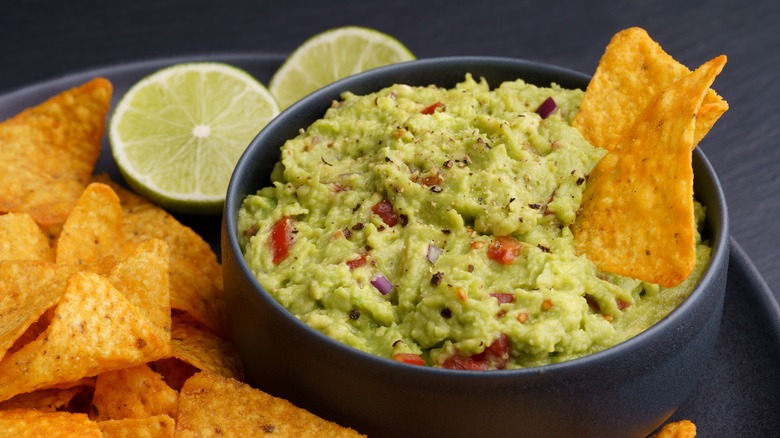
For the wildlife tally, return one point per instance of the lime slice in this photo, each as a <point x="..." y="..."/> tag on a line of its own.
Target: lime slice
<point x="177" y="134"/>
<point x="332" y="55"/>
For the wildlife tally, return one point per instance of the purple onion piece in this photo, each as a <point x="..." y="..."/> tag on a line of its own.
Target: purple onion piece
<point x="433" y="253"/>
<point x="546" y="108"/>
<point x="382" y="284"/>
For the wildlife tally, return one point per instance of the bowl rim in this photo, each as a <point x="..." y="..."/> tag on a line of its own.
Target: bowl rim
<point x="719" y="242"/>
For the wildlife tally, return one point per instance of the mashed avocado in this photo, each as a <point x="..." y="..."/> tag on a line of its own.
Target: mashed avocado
<point x="430" y="224"/>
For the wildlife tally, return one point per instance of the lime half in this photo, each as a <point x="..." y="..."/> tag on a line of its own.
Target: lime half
<point x="332" y="55"/>
<point x="177" y="134"/>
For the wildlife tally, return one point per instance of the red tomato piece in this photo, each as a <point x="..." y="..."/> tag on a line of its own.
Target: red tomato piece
<point x="281" y="239"/>
<point x="495" y="356"/>
<point x="410" y="358"/>
<point x="430" y="109"/>
<point x="432" y="180"/>
<point x="384" y="209"/>
<point x="504" y="249"/>
<point x="358" y="262"/>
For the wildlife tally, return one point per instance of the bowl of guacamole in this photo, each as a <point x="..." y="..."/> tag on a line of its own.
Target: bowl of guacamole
<point x="398" y="257"/>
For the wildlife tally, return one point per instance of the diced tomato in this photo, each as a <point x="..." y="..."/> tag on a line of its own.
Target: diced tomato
<point x="384" y="209"/>
<point x="466" y="363"/>
<point x="358" y="262"/>
<point x="504" y="249"/>
<point x="410" y="358"/>
<point x="430" y="109"/>
<point x="281" y="239"/>
<point x="622" y="304"/>
<point x="432" y="180"/>
<point x="503" y="298"/>
<point x="495" y="356"/>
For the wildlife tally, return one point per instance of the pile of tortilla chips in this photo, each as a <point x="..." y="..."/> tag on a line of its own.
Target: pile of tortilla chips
<point x="112" y="319"/>
<point x="649" y="112"/>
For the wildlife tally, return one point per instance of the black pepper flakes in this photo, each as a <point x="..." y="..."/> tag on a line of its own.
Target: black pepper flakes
<point x="358" y="226"/>
<point x="543" y="248"/>
<point x="354" y="314"/>
<point x="404" y="219"/>
<point x="436" y="278"/>
<point x="436" y="189"/>
<point x="446" y="231"/>
<point x="446" y="313"/>
<point x="535" y="206"/>
<point x="580" y="180"/>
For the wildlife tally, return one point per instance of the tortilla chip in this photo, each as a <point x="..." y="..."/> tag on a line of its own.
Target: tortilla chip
<point x="22" y="239"/>
<point x="27" y="289"/>
<point x="203" y="349"/>
<point x="195" y="274"/>
<point x="143" y="279"/>
<point x="21" y="423"/>
<point x="49" y="151"/>
<point x="159" y="426"/>
<point x="134" y="392"/>
<point x="28" y="292"/>
<point x="632" y="72"/>
<point x="637" y="214"/>
<point x="46" y="400"/>
<point x="209" y="402"/>
<point x="95" y="329"/>
<point x="678" y="429"/>
<point x="93" y="229"/>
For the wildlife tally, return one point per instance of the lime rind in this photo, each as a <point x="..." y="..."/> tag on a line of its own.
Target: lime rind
<point x="332" y="55"/>
<point x="177" y="134"/>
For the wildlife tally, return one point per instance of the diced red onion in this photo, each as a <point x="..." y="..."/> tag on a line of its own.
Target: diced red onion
<point x="546" y="108"/>
<point x="382" y="284"/>
<point x="433" y="253"/>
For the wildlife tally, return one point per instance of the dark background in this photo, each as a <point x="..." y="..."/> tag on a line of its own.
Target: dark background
<point x="42" y="40"/>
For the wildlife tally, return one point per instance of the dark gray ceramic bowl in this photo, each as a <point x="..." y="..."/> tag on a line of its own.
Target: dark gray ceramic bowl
<point x="627" y="390"/>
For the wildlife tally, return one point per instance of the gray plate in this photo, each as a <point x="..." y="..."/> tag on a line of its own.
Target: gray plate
<point x="738" y="395"/>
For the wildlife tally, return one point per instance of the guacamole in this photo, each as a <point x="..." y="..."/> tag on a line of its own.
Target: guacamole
<point x="432" y="226"/>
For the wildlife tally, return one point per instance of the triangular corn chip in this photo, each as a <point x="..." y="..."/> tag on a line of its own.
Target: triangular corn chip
<point x="93" y="230"/>
<point x="198" y="346"/>
<point x="632" y="72"/>
<point x="95" y="329"/>
<point x="46" y="400"/>
<point x="210" y="402"/>
<point x="134" y="392"/>
<point x="21" y="423"/>
<point x="637" y="215"/>
<point x="49" y="151"/>
<point x="27" y="289"/>
<point x="196" y="276"/>
<point x="143" y="279"/>
<point x="159" y="426"/>
<point x="22" y="239"/>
